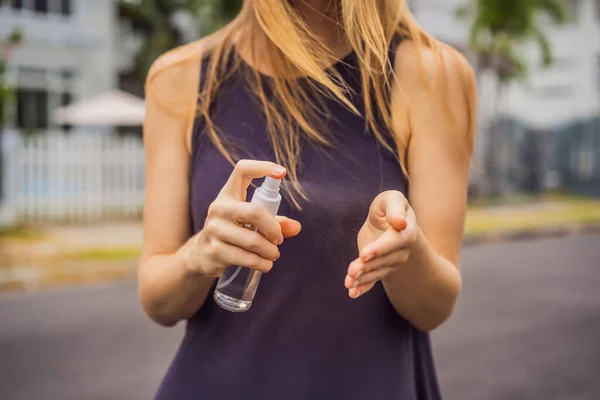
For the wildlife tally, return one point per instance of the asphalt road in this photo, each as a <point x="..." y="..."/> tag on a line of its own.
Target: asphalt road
<point x="527" y="327"/>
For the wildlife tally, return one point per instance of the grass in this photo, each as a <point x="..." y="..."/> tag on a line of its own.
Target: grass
<point x="551" y="212"/>
<point x="21" y="233"/>
<point x="97" y="255"/>
<point x="103" y="254"/>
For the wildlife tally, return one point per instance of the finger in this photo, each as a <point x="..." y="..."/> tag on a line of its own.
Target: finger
<point x="244" y="172"/>
<point x="396" y="206"/>
<point x="368" y="278"/>
<point x="233" y="255"/>
<point x="248" y="213"/>
<point x="247" y="240"/>
<point x="390" y="241"/>
<point x="289" y="227"/>
<point x="387" y="203"/>
<point x="358" y="267"/>
<point x="355" y="293"/>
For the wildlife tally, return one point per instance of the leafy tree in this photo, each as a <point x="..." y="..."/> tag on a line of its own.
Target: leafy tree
<point x="165" y="24"/>
<point x="14" y="38"/>
<point x="7" y="45"/>
<point x="498" y="32"/>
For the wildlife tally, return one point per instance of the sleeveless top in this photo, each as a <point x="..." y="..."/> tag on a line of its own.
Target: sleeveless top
<point x="303" y="338"/>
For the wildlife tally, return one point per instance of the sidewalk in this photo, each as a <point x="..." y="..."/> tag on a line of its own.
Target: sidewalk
<point x="549" y="217"/>
<point x="98" y="241"/>
<point x="54" y="256"/>
<point x="31" y="259"/>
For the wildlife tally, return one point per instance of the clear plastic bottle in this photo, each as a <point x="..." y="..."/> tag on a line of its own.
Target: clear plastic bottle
<point x="237" y="285"/>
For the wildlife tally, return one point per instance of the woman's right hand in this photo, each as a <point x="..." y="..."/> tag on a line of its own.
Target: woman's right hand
<point x="224" y="241"/>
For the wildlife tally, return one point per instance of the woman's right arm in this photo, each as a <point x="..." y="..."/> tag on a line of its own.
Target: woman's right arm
<point x="176" y="272"/>
<point x="168" y="289"/>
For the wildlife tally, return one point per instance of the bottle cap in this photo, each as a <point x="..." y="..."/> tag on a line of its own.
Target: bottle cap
<point x="269" y="190"/>
<point x="272" y="184"/>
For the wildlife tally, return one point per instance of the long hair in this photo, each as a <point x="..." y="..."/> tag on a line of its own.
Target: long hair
<point x="277" y="34"/>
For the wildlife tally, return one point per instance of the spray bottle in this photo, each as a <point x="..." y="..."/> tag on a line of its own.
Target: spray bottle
<point x="237" y="285"/>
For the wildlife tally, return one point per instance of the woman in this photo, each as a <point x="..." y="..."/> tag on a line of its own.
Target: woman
<point x="347" y="99"/>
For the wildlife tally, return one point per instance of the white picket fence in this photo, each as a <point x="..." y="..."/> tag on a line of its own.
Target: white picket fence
<point x="77" y="177"/>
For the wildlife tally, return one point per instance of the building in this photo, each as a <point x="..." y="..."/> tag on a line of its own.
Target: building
<point x="68" y="53"/>
<point x="76" y="48"/>
<point x="568" y="90"/>
<point x="72" y="50"/>
<point x="544" y="131"/>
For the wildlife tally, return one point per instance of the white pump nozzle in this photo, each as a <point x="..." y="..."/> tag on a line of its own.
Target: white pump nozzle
<point x="267" y="195"/>
<point x="272" y="184"/>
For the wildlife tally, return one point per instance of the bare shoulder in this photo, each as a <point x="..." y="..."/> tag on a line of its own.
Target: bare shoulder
<point x="438" y="83"/>
<point x="438" y="65"/>
<point x="173" y="78"/>
<point x="177" y="60"/>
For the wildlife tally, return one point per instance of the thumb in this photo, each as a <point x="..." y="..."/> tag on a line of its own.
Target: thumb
<point x="395" y="205"/>
<point x="398" y="222"/>
<point x="289" y="227"/>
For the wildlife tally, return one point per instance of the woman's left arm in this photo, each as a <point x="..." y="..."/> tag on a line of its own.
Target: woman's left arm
<point x="413" y="245"/>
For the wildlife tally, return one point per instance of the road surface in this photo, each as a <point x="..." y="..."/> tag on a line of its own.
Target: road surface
<point x="527" y="327"/>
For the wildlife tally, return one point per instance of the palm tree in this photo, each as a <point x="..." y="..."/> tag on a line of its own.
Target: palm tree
<point x="165" y="24"/>
<point x="498" y="31"/>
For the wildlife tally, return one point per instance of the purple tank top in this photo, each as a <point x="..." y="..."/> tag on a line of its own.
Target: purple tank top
<point x="303" y="338"/>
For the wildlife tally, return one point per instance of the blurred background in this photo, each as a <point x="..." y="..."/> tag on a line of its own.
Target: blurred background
<point x="72" y="184"/>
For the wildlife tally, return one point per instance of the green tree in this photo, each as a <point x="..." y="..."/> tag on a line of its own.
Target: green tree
<point x="14" y="38"/>
<point x="165" y="24"/>
<point x="7" y="45"/>
<point x="499" y="28"/>
<point x="498" y="32"/>
<point x="217" y="13"/>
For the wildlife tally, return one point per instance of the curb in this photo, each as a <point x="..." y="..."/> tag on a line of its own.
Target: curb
<point x="533" y="233"/>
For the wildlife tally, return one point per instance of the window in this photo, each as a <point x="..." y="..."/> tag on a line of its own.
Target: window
<point x="65" y="99"/>
<point x="32" y="109"/>
<point x="38" y="93"/>
<point x="41" y="6"/>
<point x="66" y="74"/>
<point x="63" y="7"/>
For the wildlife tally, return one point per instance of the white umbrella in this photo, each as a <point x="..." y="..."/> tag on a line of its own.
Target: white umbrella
<point x="113" y="108"/>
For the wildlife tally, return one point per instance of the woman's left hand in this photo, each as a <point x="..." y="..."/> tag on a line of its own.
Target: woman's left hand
<point x="385" y="242"/>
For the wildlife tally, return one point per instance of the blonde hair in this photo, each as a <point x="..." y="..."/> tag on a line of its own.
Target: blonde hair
<point x="290" y="110"/>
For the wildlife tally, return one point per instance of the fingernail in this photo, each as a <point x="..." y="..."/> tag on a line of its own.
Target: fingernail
<point x="359" y="274"/>
<point x="281" y="239"/>
<point x="278" y="169"/>
<point x="368" y="257"/>
<point x="356" y="284"/>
